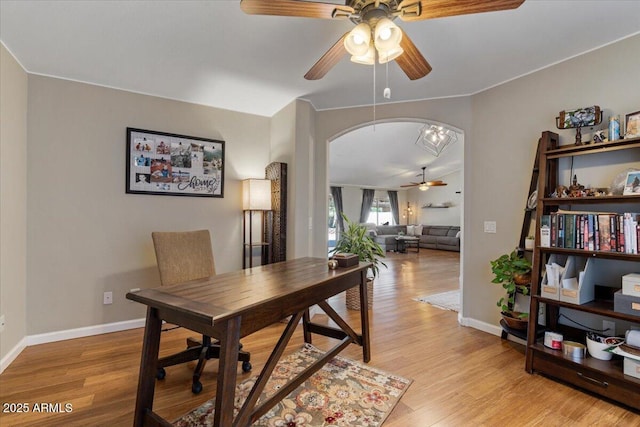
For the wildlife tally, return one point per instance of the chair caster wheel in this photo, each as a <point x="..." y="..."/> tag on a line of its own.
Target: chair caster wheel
<point x="246" y="366"/>
<point x="196" y="387"/>
<point x="161" y="373"/>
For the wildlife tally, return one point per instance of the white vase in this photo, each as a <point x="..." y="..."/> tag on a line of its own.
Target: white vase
<point x="529" y="244"/>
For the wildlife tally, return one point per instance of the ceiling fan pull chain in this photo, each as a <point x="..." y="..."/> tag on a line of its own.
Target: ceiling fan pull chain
<point x="387" y="90"/>
<point x="374" y="94"/>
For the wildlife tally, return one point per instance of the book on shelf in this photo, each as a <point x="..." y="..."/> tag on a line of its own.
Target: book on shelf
<point x="545" y="231"/>
<point x="591" y="231"/>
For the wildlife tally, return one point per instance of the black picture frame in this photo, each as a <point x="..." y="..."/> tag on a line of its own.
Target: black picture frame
<point x="168" y="164"/>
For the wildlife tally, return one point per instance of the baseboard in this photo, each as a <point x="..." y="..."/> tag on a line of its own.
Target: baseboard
<point x="13" y="354"/>
<point x="84" y="332"/>
<point x="483" y="326"/>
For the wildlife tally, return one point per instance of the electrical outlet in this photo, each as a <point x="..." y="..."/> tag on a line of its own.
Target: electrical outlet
<point x="107" y="298"/>
<point x="609" y="328"/>
<point x="2" y="320"/>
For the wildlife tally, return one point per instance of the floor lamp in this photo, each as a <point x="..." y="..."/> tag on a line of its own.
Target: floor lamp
<point x="256" y="200"/>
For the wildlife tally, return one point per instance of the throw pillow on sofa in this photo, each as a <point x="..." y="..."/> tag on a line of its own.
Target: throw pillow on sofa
<point x="411" y="230"/>
<point x="418" y="230"/>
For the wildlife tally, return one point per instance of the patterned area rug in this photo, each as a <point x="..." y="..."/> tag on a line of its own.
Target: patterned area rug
<point x="445" y="301"/>
<point x="342" y="393"/>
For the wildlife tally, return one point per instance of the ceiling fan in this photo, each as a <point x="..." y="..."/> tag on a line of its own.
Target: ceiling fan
<point x="424" y="185"/>
<point x="375" y="33"/>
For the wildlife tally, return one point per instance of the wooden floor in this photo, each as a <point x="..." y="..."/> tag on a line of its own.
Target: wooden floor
<point x="462" y="377"/>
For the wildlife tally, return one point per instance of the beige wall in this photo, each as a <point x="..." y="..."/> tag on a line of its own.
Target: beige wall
<point x="85" y="235"/>
<point x="331" y="123"/>
<point x="13" y="205"/>
<point x="507" y="122"/>
<point x="502" y="126"/>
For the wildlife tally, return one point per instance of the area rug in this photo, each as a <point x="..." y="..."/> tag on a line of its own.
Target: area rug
<point x="445" y="301"/>
<point x="342" y="393"/>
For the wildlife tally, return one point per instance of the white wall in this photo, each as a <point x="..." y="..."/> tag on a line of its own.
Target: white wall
<point x="452" y="215"/>
<point x="13" y="205"/>
<point x="87" y="236"/>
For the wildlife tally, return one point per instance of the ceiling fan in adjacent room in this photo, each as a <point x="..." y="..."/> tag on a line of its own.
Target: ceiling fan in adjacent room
<point x="424" y="185"/>
<point x="375" y="34"/>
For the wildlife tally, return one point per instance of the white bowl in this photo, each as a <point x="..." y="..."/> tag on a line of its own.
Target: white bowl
<point x="597" y="349"/>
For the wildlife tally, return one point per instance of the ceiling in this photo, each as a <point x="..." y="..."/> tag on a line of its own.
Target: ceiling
<point x="209" y="52"/>
<point x="385" y="156"/>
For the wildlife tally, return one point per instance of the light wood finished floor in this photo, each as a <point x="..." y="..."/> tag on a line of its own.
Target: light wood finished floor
<point x="462" y="377"/>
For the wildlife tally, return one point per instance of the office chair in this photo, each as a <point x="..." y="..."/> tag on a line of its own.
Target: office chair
<point x="184" y="256"/>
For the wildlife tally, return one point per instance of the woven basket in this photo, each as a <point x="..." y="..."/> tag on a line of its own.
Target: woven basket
<point x="353" y="296"/>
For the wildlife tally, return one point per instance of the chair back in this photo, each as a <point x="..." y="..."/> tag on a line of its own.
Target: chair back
<point x="183" y="255"/>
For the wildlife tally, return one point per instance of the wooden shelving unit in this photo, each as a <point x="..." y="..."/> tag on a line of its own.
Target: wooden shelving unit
<point x="605" y="378"/>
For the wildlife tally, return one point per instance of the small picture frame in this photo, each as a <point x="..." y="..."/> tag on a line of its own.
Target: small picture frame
<point x="632" y="125"/>
<point x="168" y="164"/>
<point x="632" y="184"/>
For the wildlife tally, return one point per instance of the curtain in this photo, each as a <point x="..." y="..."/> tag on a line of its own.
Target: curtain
<point x="367" y="201"/>
<point x="393" y="201"/>
<point x="336" y="193"/>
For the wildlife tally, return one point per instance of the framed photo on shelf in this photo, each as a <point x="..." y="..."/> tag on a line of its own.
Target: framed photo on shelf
<point x="632" y="125"/>
<point x="632" y="184"/>
<point x="174" y="165"/>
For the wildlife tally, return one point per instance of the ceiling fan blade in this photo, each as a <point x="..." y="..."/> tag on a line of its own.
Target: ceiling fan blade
<point x="328" y="60"/>
<point x="411" y="61"/>
<point x="409" y="185"/>
<point x="430" y="9"/>
<point x="436" y="183"/>
<point x="305" y="9"/>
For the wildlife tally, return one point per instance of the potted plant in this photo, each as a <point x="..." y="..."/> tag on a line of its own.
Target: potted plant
<point x="529" y="242"/>
<point x="355" y="240"/>
<point x="513" y="272"/>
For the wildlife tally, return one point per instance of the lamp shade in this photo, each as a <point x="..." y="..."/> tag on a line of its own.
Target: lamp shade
<point x="369" y="58"/>
<point x="357" y="42"/>
<point x="256" y="194"/>
<point x="389" y="55"/>
<point x="387" y="35"/>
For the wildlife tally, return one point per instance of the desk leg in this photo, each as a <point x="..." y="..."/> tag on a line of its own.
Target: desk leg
<point x="227" y="373"/>
<point x="306" y="319"/>
<point x="364" y="317"/>
<point x="148" y="366"/>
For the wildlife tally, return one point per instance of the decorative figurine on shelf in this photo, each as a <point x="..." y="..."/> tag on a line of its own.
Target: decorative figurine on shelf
<point x="598" y="136"/>
<point x="561" y="191"/>
<point x="576" y="190"/>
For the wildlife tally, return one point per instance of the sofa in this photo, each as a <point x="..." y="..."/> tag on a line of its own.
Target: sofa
<point x="443" y="237"/>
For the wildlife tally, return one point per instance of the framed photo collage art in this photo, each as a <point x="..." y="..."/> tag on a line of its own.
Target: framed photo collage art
<point x="174" y="165"/>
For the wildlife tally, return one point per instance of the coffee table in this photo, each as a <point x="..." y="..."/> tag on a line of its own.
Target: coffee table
<point x="403" y="243"/>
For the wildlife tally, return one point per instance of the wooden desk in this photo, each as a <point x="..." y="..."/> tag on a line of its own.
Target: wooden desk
<point x="233" y="305"/>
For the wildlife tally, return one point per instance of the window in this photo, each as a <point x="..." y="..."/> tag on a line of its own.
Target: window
<point x="332" y="223"/>
<point x="380" y="211"/>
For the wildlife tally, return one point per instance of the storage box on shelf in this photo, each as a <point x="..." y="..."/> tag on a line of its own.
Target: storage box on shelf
<point x="587" y="261"/>
<point x="631" y="284"/>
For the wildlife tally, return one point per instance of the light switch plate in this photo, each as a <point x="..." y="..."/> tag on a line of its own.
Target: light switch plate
<point x="489" y="226"/>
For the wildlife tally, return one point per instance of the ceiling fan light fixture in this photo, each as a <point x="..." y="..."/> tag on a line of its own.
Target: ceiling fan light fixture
<point x="358" y="40"/>
<point x="423" y="187"/>
<point x="387" y="35"/>
<point x="389" y="55"/>
<point x="369" y="58"/>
